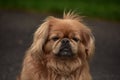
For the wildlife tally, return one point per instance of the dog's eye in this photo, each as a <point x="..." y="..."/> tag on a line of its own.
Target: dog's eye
<point x="75" y="39"/>
<point x="55" y="38"/>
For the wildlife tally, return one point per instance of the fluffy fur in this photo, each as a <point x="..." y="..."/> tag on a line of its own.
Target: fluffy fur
<point x="41" y="62"/>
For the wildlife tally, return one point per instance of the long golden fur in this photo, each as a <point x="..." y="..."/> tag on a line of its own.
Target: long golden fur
<point x="41" y="62"/>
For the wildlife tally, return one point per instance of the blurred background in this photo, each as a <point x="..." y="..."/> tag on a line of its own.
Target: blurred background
<point x="106" y="9"/>
<point x="20" y="18"/>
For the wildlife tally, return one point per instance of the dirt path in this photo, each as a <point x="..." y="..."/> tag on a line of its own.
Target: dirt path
<point x="16" y="31"/>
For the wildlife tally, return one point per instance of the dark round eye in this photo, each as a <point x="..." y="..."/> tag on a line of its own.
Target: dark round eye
<point x="55" y="38"/>
<point x="75" y="39"/>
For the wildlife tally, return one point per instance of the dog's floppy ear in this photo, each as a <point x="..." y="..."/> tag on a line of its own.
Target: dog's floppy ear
<point x="40" y="37"/>
<point x="88" y="41"/>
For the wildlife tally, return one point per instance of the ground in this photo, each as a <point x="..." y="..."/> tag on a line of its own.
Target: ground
<point x="16" y="32"/>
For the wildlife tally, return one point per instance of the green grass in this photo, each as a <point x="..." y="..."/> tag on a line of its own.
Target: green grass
<point x="105" y="9"/>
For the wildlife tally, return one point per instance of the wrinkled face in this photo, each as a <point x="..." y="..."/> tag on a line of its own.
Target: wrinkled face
<point x="65" y="40"/>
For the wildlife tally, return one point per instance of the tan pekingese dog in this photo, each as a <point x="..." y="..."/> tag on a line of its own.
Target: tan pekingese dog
<point x="60" y="50"/>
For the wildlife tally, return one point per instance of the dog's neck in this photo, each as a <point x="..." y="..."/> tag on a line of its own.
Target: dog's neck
<point x="58" y="71"/>
<point x="55" y="70"/>
<point x="63" y="70"/>
<point x="53" y="75"/>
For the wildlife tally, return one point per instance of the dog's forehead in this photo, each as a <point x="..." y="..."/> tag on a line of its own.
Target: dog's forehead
<point x="66" y="26"/>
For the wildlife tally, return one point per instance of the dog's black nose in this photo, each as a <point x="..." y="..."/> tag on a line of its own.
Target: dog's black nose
<point x="65" y="41"/>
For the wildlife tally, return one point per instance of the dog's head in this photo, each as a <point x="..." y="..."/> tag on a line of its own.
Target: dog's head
<point x="64" y="39"/>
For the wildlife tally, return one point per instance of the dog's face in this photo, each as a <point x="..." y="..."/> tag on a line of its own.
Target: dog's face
<point x="66" y="40"/>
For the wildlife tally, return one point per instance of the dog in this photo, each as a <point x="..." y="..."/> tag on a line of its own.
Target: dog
<point x="61" y="50"/>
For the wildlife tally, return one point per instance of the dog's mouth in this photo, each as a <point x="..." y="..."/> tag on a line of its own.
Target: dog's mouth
<point x="65" y="51"/>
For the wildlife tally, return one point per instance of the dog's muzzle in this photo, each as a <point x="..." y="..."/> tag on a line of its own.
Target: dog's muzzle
<point x="65" y="49"/>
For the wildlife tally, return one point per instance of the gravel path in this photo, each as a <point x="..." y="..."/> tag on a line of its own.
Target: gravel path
<point x="16" y="31"/>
